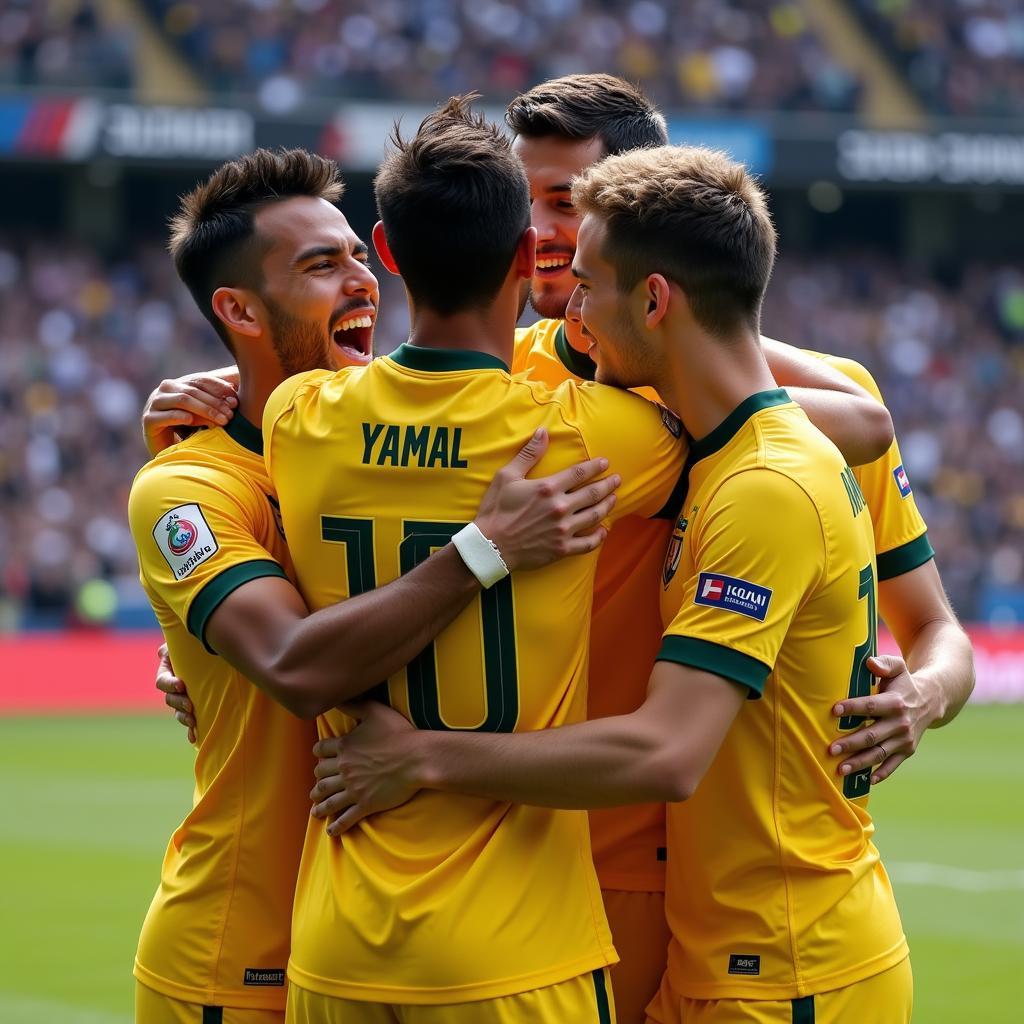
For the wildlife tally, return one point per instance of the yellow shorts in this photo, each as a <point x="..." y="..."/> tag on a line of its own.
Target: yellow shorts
<point x="155" y="1008"/>
<point x="886" y="998"/>
<point x="583" y="1000"/>
<point x="641" y="936"/>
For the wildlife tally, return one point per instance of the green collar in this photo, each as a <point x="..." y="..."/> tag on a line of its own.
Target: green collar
<point x="729" y="427"/>
<point x="444" y="360"/>
<point x="242" y="432"/>
<point x="575" y="362"/>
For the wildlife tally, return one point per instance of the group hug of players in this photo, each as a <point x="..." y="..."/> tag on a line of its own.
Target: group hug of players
<point x="661" y="609"/>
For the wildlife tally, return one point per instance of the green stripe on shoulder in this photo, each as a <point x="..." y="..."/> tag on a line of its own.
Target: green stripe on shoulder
<point x="904" y="558"/>
<point x="209" y="599"/>
<point x="722" y="661"/>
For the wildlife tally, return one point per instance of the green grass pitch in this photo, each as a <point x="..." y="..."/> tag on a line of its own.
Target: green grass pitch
<point x="87" y="805"/>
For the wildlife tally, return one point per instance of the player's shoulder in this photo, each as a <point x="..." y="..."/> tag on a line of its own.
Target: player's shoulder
<point x="297" y="389"/>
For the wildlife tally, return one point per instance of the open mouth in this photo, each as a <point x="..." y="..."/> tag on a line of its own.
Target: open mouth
<point x="354" y="335"/>
<point x="551" y="264"/>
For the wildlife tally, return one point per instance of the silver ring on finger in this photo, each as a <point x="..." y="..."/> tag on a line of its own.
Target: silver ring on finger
<point x="884" y="752"/>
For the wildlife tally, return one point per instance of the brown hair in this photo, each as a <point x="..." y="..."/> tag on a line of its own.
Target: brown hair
<point x="693" y="215"/>
<point x="214" y="242"/>
<point x="454" y="202"/>
<point x="579" y="107"/>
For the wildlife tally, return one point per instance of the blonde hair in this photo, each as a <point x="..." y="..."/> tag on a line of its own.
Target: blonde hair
<point x="693" y="215"/>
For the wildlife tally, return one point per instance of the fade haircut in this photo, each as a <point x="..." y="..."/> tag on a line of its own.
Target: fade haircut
<point x="454" y="202"/>
<point x="214" y="242"/>
<point x="693" y="215"/>
<point x="581" y="107"/>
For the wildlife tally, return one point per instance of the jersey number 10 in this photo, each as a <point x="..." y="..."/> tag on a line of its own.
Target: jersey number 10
<point x="501" y="681"/>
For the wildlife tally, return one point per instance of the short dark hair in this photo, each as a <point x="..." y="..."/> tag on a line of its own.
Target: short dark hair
<point x="213" y="235"/>
<point x="579" y="107"/>
<point x="454" y="202"/>
<point x="693" y="215"/>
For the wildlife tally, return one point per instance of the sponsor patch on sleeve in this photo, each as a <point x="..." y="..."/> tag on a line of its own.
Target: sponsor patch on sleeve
<point x="732" y="595"/>
<point x="899" y="474"/>
<point x="184" y="539"/>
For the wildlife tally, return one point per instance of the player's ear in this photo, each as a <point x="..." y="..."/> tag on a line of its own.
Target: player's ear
<point x="380" y="243"/>
<point x="526" y="253"/>
<point x="656" y="296"/>
<point x="237" y="310"/>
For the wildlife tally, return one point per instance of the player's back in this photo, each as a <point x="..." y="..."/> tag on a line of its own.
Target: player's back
<point x="449" y="898"/>
<point x="217" y="930"/>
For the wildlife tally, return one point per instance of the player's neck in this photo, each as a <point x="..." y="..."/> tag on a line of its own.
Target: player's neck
<point x="706" y="379"/>
<point x="255" y="384"/>
<point x="490" y="330"/>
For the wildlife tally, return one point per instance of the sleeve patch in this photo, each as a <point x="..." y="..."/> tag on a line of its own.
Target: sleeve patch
<point x="672" y="423"/>
<point x="733" y="595"/>
<point x="185" y="539"/>
<point x="899" y="474"/>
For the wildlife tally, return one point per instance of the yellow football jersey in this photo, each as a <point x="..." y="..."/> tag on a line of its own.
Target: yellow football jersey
<point x="775" y="890"/>
<point x="217" y="930"/>
<point x="628" y="842"/>
<point x="450" y="898"/>
<point x="901" y="536"/>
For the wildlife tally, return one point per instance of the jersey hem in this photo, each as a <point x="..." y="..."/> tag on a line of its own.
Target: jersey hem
<point x="239" y="1000"/>
<point x="607" y="957"/>
<point x="797" y="990"/>
<point x="904" y="558"/>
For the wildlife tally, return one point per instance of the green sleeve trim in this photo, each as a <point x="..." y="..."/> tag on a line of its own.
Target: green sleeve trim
<point x="209" y="599"/>
<point x="904" y="558"/>
<point x="722" y="661"/>
<point x="575" y="362"/>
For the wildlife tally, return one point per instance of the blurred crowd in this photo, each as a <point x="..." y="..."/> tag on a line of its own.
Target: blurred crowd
<point x="962" y="57"/>
<point x="82" y="343"/>
<point x="63" y="44"/>
<point x="696" y="53"/>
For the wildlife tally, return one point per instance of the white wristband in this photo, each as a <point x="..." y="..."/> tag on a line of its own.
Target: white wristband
<point x="482" y="557"/>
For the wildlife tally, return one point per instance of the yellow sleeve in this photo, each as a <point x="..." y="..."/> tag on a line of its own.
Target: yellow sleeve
<point x="758" y="550"/>
<point x="195" y="528"/>
<point x="901" y="535"/>
<point x="642" y="442"/>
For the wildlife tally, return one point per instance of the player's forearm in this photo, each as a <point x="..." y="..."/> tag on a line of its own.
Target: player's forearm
<point x="605" y="763"/>
<point x="338" y="653"/>
<point x="940" y="657"/>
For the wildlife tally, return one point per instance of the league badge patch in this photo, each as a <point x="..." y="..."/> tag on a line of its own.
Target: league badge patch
<point x="733" y="595"/>
<point x="675" y="551"/>
<point x="899" y="474"/>
<point x="184" y="539"/>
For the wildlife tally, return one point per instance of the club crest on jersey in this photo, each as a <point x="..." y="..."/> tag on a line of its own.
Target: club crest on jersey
<point x="675" y="551"/>
<point x="733" y="595"/>
<point x="184" y="539"/>
<point x="899" y="474"/>
<point x="672" y="423"/>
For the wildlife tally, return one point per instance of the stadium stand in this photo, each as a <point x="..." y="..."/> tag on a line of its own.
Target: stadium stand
<point x="82" y="342"/>
<point x="963" y="57"/>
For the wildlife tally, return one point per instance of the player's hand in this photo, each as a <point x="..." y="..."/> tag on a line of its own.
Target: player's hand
<point x="198" y="400"/>
<point x="536" y="522"/>
<point x="898" y="716"/>
<point x="363" y="772"/>
<point x="176" y="695"/>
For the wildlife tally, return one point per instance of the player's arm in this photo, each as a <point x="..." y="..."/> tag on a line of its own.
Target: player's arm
<point x="711" y="661"/>
<point x="312" y="662"/>
<point x="206" y="399"/>
<point x="925" y="688"/>
<point x="854" y="420"/>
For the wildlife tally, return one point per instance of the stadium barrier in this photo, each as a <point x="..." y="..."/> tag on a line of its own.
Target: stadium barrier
<point x="98" y="671"/>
